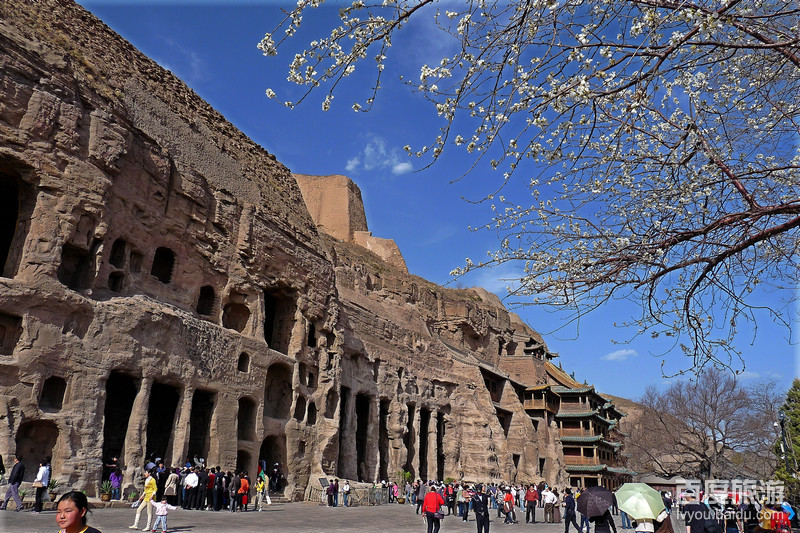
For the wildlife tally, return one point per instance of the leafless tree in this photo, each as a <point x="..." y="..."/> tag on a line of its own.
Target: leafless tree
<point x="709" y="427"/>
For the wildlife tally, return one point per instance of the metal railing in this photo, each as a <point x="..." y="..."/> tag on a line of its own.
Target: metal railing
<point x="361" y="496"/>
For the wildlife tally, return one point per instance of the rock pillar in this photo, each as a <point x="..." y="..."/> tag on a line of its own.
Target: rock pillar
<point x="136" y="436"/>
<point x="180" y="442"/>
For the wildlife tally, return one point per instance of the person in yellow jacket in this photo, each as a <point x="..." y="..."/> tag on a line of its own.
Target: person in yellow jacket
<point x="148" y="494"/>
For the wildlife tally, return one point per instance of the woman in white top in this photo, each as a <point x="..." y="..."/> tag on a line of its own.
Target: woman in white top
<point x="41" y="482"/>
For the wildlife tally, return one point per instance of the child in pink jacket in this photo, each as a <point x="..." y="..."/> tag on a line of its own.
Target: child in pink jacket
<point x="162" y="508"/>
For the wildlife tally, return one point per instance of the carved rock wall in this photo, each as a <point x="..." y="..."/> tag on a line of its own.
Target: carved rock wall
<point x="165" y="291"/>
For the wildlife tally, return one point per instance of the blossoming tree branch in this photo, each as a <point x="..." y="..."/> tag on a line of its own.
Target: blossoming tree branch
<point x="661" y="140"/>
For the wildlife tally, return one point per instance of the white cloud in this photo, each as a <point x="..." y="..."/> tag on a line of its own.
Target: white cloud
<point x="352" y="164"/>
<point x="377" y="156"/>
<point x="402" y="168"/>
<point x="620" y="355"/>
<point x="748" y="374"/>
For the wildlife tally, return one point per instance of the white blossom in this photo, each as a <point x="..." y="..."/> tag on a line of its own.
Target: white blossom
<point x="660" y="142"/>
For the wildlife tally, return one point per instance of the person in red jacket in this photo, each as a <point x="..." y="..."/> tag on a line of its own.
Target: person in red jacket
<point x="430" y="505"/>
<point x="779" y="520"/>
<point x="531" y="500"/>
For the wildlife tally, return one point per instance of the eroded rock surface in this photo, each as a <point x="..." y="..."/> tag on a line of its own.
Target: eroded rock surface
<point x="165" y="291"/>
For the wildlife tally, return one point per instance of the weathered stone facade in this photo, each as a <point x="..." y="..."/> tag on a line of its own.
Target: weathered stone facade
<point x="165" y="290"/>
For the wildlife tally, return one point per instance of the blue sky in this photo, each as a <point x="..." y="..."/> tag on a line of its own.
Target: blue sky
<point x="213" y="49"/>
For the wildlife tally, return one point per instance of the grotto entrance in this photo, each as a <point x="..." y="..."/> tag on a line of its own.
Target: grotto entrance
<point x="273" y="450"/>
<point x="424" y="422"/>
<point x="362" y="433"/>
<point x="35" y="441"/>
<point x="121" y="392"/>
<point x="200" y="423"/>
<point x="383" y="440"/>
<point x="160" y="420"/>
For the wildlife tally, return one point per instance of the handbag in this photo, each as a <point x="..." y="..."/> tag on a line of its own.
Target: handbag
<point x="438" y="513"/>
<point x="37" y="485"/>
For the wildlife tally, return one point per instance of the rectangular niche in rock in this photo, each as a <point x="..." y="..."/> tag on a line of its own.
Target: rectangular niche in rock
<point x="16" y="208"/>
<point x="76" y="270"/>
<point x="10" y="331"/>
<point x="504" y="418"/>
<point x="279" y="310"/>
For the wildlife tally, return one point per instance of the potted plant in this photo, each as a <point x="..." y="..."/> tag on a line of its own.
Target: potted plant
<point x="105" y="491"/>
<point x="22" y="494"/>
<point x="133" y="496"/>
<point x="52" y="488"/>
<point x="404" y="477"/>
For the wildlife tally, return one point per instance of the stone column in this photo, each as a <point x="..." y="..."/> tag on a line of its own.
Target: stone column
<point x="373" y="443"/>
<point x="136" y="436"/>
<point x="180" y="439"/>
<point x="348" y="441"/>
<point x="432" y="448"/>
<point x="222" y="438"/>
<point x="415" y="441"/>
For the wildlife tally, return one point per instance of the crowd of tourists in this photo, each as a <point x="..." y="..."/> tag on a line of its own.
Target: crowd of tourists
<point x="197" y="487"/>
<point x="434" y="500"/>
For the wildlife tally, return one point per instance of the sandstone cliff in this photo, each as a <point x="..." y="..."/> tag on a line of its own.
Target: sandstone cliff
<point x="166" y="291"/>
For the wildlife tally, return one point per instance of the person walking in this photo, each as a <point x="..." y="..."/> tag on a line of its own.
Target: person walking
<point x="430" y="508"/>
<point x="480" y="505"/>
<point x="569" y="511"/>
<point x="40" y="484"/>
<point x="549" y="500"/>
<point x="148" y="493"/>
<point x="469" y="492"/>
<point x="626" y="520"/>
<point x="604" y="523"/>
<point x="420" y="496"/>
<point x="14" y="481"/>
<point x="508" y="507"/>
<point x="162" y="510"/>
<point x="461" y="499"/>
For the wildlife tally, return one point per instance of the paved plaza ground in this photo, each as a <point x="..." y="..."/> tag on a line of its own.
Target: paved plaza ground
<point x="279" y="518"/>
